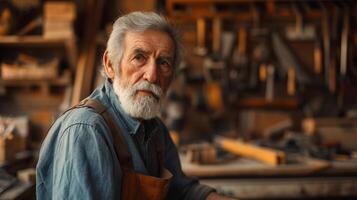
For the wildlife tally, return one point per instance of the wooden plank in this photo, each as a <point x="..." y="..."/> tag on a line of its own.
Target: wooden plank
<point x="291" y="86"/>
<point x="243" y="166"/>
<point x="266" y="155"/>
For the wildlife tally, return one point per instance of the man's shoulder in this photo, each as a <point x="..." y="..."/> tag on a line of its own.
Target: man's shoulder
<point x="80" y="117"/>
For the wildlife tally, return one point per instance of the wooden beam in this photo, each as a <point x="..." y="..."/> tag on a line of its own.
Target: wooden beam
<point x="263" y="154"/>
<point x="85" y="69"/>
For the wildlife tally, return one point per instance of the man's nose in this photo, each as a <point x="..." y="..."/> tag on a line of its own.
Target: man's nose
<point x="151" y="72"/>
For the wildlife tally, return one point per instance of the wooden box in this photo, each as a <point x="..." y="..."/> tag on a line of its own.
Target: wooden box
<point x="13" y="134"/>
<point x="60" y="11"/>
<point x="10" y="146"/>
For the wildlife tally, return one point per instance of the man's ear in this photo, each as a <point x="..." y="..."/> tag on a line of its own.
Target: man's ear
<point x="108" y="66"/>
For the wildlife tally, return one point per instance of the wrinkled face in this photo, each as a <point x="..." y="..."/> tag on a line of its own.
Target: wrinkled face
<point x="145" y="72"/>
<point x="147" y="56"/>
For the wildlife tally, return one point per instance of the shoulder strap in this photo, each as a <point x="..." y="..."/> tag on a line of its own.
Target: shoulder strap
<point x="120" y="146"/>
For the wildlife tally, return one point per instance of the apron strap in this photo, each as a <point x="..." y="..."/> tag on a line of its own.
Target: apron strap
<point x="120" y="146"/>
<point x="121" y="149"/>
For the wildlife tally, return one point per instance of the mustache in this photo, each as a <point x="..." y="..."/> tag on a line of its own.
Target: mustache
<point x="145" y="85"/>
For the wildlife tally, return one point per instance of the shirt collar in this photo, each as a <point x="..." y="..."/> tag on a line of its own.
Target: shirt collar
<point x="131" y="124"/>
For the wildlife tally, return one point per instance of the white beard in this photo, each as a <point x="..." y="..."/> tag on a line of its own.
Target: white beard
<point x="145" y="107"/>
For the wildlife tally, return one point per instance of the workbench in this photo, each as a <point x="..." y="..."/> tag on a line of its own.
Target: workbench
<point x="249" y="179"/>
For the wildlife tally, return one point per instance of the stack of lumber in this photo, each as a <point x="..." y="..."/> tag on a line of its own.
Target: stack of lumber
<point x="58" y="19"/>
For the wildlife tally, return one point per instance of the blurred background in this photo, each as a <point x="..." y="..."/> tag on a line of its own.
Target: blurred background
<point x="263" y="105"/>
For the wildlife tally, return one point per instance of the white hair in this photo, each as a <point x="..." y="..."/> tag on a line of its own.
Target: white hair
<point x="139" y="22"/>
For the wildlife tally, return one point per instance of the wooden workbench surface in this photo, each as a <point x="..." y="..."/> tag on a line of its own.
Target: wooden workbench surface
<point x="249" y="167"/>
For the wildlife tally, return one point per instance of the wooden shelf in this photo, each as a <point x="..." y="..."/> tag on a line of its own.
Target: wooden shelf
<point x="30" y="40"/>
<point x="259" y="102"/>
<point x="38" y="41"/>
<point x="63" y="80"/>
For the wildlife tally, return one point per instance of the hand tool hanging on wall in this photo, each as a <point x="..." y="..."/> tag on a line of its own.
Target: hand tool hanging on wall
<point x="213" y="97"/>
<point x="317" y="58"/>
<point x="216" y="37"/>
<point x="332" y="75"/>
<point x="261" y="53"/>
<point x="344" y="44"/>
<point x="240" y="57"/>
<point x="333" y="70"/>
<point x="228" y="38"/>
<point x="326" y="44"/>
<point x="287" y="60"/>
<point x="263" y="72"/>
<point x="215" y="63"/>
<point x="343" y="55"/>
<point x="300" y="31"/>
<point x="239" y="72"/>
<point x="261" y="56"/>
<point x="201" y="37"/>
<point x="269" y="91"/>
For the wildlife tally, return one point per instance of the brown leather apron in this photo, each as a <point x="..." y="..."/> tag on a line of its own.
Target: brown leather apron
<point x="134" y="186"/>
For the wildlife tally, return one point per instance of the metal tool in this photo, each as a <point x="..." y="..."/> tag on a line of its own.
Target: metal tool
<point x="269" y="92"/>
<point x="201" y="36"/>
<point x="344" y="44"/>
<point x="287" y="59"/>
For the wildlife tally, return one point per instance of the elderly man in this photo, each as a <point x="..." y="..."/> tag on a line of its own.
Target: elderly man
<point x="112" y="145"/>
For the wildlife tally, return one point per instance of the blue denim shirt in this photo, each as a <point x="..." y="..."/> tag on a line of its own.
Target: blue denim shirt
<point x="77" y="159"/>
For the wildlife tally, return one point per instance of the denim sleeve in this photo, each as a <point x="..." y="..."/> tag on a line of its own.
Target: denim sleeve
<point x="83" y="165"/>
<point x="182" y="187"/>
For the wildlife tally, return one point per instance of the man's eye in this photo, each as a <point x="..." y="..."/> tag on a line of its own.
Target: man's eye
<point x="139" y="57"/>
<point x="165" y="66"/>
<point x="164" y="63"/>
